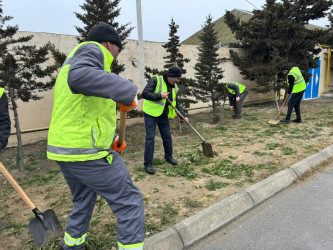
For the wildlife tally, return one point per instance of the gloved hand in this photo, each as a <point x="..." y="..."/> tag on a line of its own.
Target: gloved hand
<point x="232" y="108"/>
<point x="124" y="108"/>
<point x="116" y="147"/>
<point x="237" y="99"/>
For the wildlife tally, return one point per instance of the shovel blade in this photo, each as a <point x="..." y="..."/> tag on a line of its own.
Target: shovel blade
<point x="274" y="122"/>
<point x="207" y="149"/>
<point x="44" y="227"/>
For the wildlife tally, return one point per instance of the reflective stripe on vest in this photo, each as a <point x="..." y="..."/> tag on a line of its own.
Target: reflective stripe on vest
<point x="299" y="83"/>
<point x="2" y="90"/>
<point x="70" y="241"/>
<point x="138" y="246"/>
<point x="82" y="127"/>
<point x="241" y="88"/>
<point x="155" y="108"/>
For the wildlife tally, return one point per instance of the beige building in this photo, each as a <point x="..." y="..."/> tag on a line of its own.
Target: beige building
<point x="35" y="116"/>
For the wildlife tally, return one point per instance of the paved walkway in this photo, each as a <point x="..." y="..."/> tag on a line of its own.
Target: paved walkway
<point x="300" y="217"/>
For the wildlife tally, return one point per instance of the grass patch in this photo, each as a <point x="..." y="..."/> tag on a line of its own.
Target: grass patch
<point x="15" y="228"/>
<point x="195" y="157"/>
<point x="271" y="167"/>
<point x="151" y="228"/>
<point x="168" y="213"/>
<point x="140" y="177"/>
<point x="214" y="185"/>
<point x="192" y="203"/>
<point x="184" y="170"/>
<point x="40" y="180"/>
<point x="272" y="145"/>
<point x="225" y="168"/>
<point x="258" y="153"/>
<point x="157" y="161"/>
<point x="288" y="151"/>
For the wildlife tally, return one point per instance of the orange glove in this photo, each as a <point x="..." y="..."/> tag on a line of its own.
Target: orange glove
<point x="116" y="147"/>
<point x="237" y="99"/>
<point x="124" y="108"/>
<point x="232" y="108"/>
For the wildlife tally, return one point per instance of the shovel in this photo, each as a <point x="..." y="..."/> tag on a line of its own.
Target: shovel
<point x="206" y="147"/>
<point x="45" y="224"/>
<point x="276" y="120"/>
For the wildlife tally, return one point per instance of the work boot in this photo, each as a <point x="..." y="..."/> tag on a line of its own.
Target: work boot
<point x="149" y="169"/>
<point x="297" y="120"/>
<point x="236" y="116"/>
<point x="172" y="161"/>
<point x="285" y="121"/>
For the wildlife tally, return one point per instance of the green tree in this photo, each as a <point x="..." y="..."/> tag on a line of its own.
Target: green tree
<point x="22" y="72"/>
<point x="102" y="11"/>
<point x="277" y="35"/>
<point x="208" y="86"/>
<point x="175" y="58"/>
<point x="327" y="38"/>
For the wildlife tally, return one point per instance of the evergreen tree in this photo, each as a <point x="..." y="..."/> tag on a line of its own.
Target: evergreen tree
<point x="175" y="58"/>
<point x="208" y="86"/>
<point x="277" y="35"/>
<point x="22" y="72"/>
<point x="327" y="37"/>
<point x="102" y="11"/>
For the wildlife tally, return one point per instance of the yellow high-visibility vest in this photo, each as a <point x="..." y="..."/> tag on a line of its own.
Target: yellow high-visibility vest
<point x="155" y="108"/>
<point x="82" y="127"/>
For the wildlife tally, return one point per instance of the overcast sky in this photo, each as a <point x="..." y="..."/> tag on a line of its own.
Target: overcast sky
<point x="57" y="16"/>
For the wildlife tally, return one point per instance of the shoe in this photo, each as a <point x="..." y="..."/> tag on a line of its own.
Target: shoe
<point x="284" y="121"/>
<point x="297" y="121"/>
<point x="1" y="226"/>
<point x="236" y="116"/>
<point x="149" y="169"/>
<point x="172" y="161"/>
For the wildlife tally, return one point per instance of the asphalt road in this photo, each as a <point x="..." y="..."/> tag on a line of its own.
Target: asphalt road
<point x="300" y="217"/>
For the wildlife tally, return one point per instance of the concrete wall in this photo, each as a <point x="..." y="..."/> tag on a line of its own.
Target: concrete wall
<point x="37" y="114"/>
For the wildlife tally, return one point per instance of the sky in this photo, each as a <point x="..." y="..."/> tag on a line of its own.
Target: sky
<point x="57" y="16"/>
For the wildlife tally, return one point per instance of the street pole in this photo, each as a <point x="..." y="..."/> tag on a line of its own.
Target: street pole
<point x="140" y="42"/>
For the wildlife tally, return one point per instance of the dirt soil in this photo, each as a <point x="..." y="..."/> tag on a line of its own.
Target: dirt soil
<point x="246" y="151"/>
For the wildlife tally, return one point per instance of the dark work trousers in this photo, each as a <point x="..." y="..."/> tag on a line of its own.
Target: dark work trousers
<point x="239" y="104"/>
<point x="295" y="102"/>
<point x="113" y="183"/>
<point x="164" y="127"/>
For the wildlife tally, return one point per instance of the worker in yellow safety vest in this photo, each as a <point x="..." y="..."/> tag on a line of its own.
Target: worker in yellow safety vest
<point x="157" y="111"/>
<point x="296" y="88"/>
<point x="81" y="133"/>
<point x="236" y="94"/>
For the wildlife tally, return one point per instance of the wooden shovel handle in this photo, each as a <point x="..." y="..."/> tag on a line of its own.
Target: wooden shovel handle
<point x="181" y="116"/>
<point x="285" y="100"/>
<point x="15" y="185"/>
<point x="122" y="127"/>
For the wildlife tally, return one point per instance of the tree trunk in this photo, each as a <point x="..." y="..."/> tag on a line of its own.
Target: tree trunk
<point x="224" y="99"/>
<point x="19" y="155"/>
<point x="215" y="115"/>
<point x="180" y="125"/>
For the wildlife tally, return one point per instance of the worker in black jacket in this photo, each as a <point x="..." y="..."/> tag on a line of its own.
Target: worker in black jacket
<point x="156" y="110"/>
<point x="4" y="123"/>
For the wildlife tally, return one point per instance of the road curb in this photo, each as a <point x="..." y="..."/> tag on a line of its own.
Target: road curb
<point x="266" y="188"/>
<point x="208" y="220"/>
